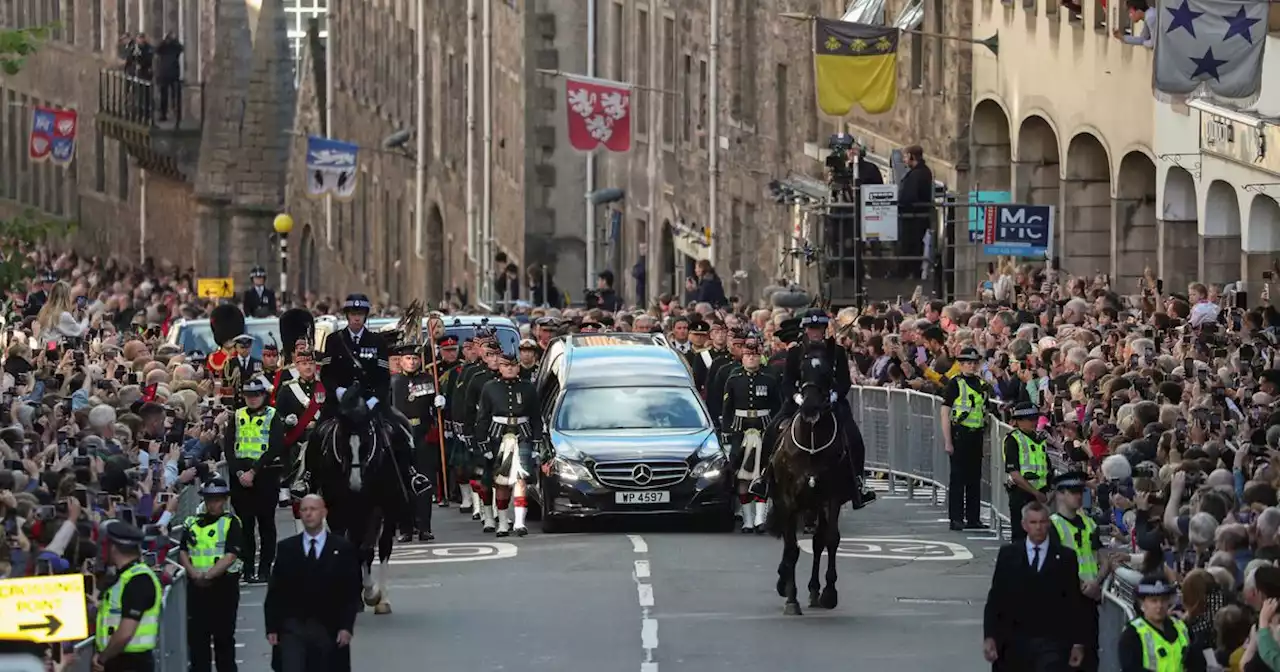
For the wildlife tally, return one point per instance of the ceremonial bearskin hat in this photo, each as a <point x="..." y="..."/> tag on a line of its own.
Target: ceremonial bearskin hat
<point x="226" y="321"/>
<point x="296" y="326"/>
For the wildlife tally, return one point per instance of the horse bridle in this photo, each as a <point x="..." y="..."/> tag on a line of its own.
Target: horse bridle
<point x="835" y="422"/>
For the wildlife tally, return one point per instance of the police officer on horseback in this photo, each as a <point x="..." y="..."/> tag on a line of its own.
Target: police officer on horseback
<point x="356" y="361"/>
<point x="815" y="322"/>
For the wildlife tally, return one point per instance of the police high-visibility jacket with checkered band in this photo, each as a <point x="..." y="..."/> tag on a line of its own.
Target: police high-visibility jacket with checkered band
<point x="253" y="433"/>
<point x="1159" y="654"/>
<point x="209" y="544"/>
<point x="110" y="610"/>
<point x="1032" y="460"/>
<point x="1079" y="540"/>
<point x="968" y="411"/>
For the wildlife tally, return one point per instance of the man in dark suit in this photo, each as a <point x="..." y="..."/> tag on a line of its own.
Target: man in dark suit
<point x="259" y="301"/>
<point x="313" y="597"/>
<point x="242" y="366"/>
<point x="1032" y="622"/>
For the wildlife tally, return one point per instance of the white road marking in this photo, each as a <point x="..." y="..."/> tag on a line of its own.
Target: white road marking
<point x="644" y="595"/>
<point x="644" y="592"/>
<point x="896" y="548"/>
<point x="462" y="552"/>
<point x="638" y="544"/>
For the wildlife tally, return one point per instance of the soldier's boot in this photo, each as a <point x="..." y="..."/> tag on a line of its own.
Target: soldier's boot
<point x="504" y="521"/>
<point x="748" y="517"/>
<point x="762" y="511"/>
<point x="487" y="514"/>
<point x="522" y="510"/>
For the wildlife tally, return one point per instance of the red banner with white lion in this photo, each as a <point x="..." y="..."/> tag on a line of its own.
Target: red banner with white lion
<point x="599" y="114"/>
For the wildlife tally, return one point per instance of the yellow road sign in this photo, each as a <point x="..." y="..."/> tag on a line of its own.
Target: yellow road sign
<point x="44" y="609"/>
<point x="216" y="288"/>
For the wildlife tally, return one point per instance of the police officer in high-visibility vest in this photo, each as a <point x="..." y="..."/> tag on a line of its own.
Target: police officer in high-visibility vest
<point x="254" y="445"/>
<point x="1155" y="641"/>
<point x="964" y="418"/>
<point x="1026" y="464"/>
<point x="210" y="553"/>
<point x="1075" y="530"/>
<point x="129" y="611"/>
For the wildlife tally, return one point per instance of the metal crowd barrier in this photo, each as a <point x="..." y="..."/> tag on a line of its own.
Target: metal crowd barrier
<point x="902" y="431"/>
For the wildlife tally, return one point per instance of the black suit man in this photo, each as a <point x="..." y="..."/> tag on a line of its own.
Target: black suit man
<point x="313" y="597"/>
<point x="1032" y="619"/>
<point x="242" y="366"/>
<point x="258" y="300"/>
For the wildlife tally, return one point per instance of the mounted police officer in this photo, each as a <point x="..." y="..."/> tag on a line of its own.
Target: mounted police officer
<point x="254" y="446"/>
<point x="815" y="322"/>
<point x="1026" y="465"/>
<point x="751" y="395"/>
<point x="509" y="424"/>
<point x="413" y="393"/>
<point x="210" y="553"/>
<point x="128" y="626"/>
<point x="358" y="360"/>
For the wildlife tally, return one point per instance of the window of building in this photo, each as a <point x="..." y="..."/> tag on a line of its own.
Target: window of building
<point x="99" y="162"/>
<point x="618" y="43"/>
<point x="122" y="19"/>
<point x="122" y="172"/>
<point x="782" y="124"/>
<point x="95" y="25"/>
<point x="940" y="47"/>
<point x="67" y="19"/>
<point x="917" y="61"/>
<point x="703" y="92"/>
<point x="668" y="79"/>
<point x="640" y="95"/>
<point x="686" y="112"/>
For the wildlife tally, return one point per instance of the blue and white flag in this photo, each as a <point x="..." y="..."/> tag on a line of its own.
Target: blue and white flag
<point x="1210" y="46"/>
<point x="331" y="167"/>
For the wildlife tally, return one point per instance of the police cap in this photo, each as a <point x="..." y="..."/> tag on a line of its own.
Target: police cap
<point x="243" y="339"/>
<point x="123" y="535"/>
<point x="968" y="355"/>
<point x="1025" y="410"/>
<point x="589" y="327"/>
<point x="357" y="303"/>
<point x="1072" y="480"/>
<point x="215" y="487"/>
<point x="406" y="349"/>
<point x="258" y="272"/>
<point x="254" y="385"/>
<point x="1155" y="586"/>
<point x="530" y="344"/>
<point x="815" y="318"/>
<point x="699" y="327"/>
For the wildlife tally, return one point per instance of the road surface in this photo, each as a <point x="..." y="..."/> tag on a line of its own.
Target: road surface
<point x="654" y="598"/>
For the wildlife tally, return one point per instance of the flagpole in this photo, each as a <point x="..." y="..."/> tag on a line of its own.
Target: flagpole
<point x="713" y="130"/>
<point x="486" y="206"/>
<point x="589" y="210"/>
<point x="991" y="43"/>
<point x="471" y="134"/>
<point x="420" y="167"/>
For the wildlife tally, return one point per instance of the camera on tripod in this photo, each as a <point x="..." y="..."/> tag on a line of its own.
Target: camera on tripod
<point x="838" y="162"/>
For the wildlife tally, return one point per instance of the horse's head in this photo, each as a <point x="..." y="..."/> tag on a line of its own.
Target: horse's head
<point x="816" y="380"/>
<point x="353" y="407"/>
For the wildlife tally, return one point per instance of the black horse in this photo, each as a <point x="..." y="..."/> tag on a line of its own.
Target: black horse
<point x="350" y="462"/>
<point x="812" y="478"/>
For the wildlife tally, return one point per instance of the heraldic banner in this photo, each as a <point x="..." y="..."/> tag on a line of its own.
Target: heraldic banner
<point x="53" y="136"/>
<point x="331" y="168"/>
<point x="599" y="113"/>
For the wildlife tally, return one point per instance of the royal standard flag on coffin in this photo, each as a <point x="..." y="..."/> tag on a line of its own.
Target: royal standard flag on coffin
<point x="854" y="63"/>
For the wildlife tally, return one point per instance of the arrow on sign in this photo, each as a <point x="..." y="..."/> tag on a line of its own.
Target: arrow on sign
<point x="52" y="624"/>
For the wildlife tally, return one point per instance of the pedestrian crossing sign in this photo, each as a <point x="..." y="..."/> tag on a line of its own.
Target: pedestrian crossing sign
<point x="216" y="288"/>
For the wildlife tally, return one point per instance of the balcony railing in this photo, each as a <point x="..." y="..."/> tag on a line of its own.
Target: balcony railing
<point x="143" y="102"/>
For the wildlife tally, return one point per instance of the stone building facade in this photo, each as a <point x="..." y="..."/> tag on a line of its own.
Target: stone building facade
<point x="103" y="192"/>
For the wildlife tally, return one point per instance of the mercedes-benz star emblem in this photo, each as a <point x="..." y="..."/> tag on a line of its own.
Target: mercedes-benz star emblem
<point x="642" y="474"/>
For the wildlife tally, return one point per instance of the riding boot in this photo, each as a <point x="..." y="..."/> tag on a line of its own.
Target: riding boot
<point x="761" y="486"/>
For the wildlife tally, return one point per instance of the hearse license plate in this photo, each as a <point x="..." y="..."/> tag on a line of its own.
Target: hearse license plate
<point x="644" y="497"/>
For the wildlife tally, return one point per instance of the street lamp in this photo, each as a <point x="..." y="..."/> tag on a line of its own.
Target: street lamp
<point x="283" y="224"/>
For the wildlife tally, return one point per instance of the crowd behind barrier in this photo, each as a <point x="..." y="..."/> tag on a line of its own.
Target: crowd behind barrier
<point x="902" y="433"/>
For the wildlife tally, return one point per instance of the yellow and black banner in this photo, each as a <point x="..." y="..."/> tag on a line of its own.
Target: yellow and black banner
<point x="854" y="63"/>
